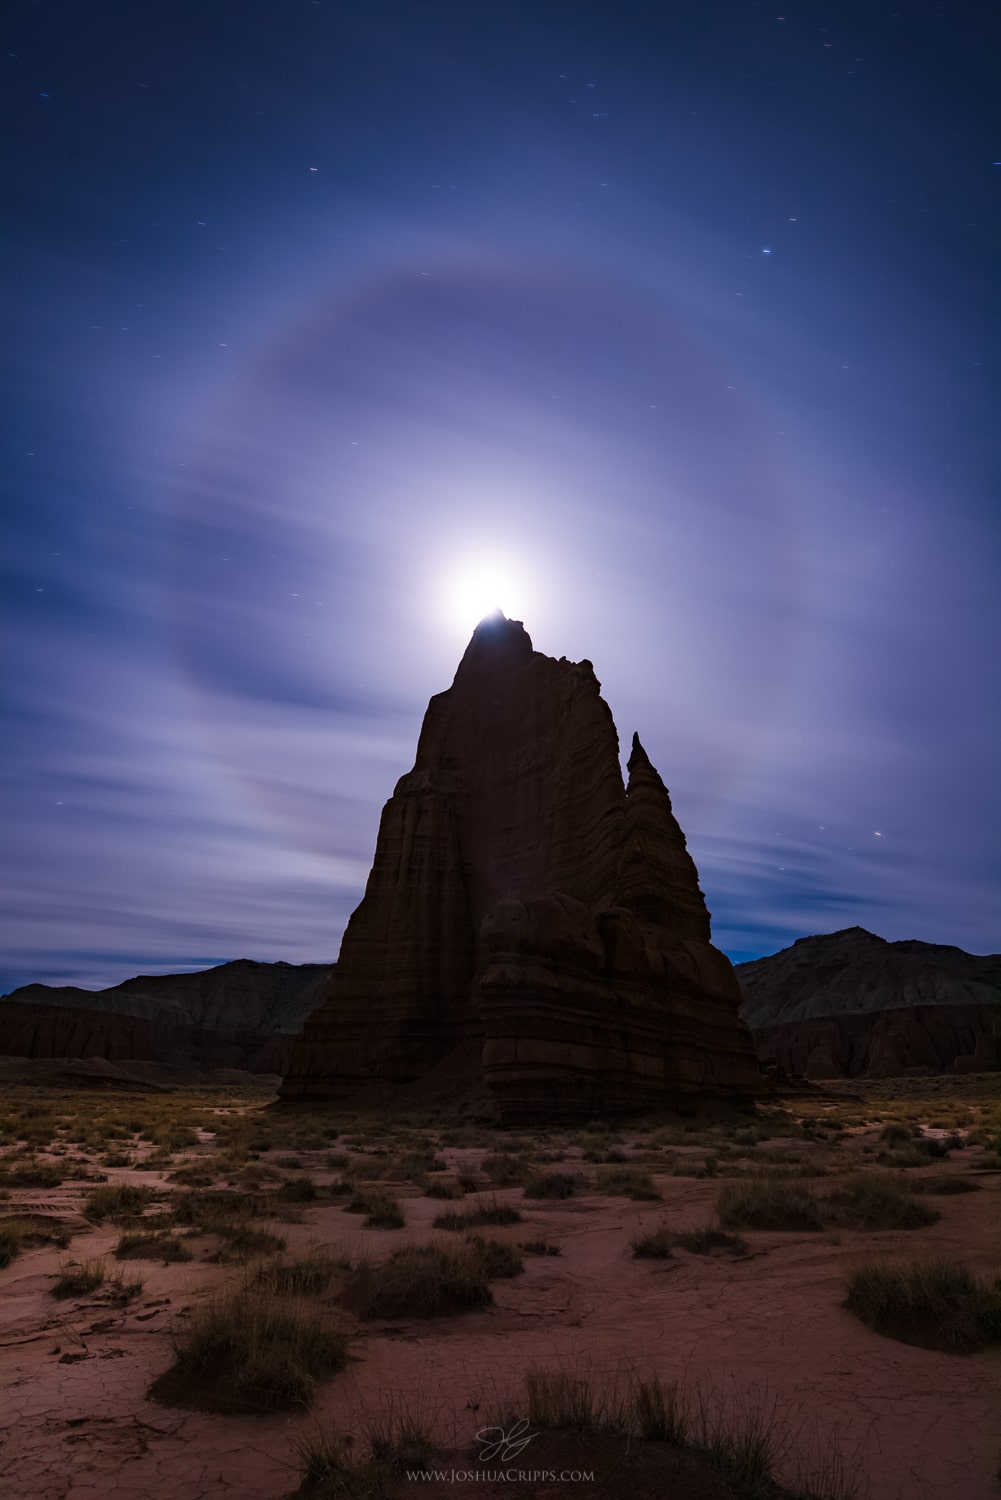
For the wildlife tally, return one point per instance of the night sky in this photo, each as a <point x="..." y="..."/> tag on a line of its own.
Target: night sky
<point x="675" y="319"/>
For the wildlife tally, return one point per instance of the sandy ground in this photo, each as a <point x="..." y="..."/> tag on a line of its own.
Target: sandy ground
<point x="767" y="1329"/>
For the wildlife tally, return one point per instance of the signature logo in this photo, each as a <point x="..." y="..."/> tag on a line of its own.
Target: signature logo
<point x="504" y="1445"/>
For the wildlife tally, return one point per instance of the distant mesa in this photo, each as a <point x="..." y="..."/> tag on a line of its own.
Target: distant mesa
<point x="851" y="1005"/>
<point x="529" y="916"/>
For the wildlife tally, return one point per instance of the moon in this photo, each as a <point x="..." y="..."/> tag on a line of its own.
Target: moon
<point x="476" y="586"/>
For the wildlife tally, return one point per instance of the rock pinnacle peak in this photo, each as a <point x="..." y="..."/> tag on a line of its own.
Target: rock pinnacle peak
<point x="496" y="641"/>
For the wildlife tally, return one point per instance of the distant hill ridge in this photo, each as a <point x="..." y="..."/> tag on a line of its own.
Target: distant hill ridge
<point x="241" y="1014"/>
<point x="851" y="1004"/>
<point x="242" y="995"/>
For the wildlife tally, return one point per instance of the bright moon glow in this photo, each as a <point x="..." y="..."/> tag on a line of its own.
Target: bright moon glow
<point x="476" y="587"/>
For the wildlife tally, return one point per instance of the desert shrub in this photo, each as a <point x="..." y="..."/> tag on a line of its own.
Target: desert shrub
<point x="381" y="1209"/>
<point x="487" y="1213"/>
<point x="551" y="1184"/>
<point x="504" y="1169"/>
<point x="500" y="1259"/>
<point x="607" y="1155"/>
<point x="658" y="1244"/>
<point x="118" y="1201"/>
<point x="904" y="1158"/>
<point x="758" y="1202"/>
<point x="254" y="1176"/>
<point x="338" y="1161"/>
<point x="896" y="1134"/>
<point x="193" y="1176"/>
<point x="867" y="1201"/>
<point x="708" y="1238"/>
<point x="32" y="1174"/>
<point x="539" y="1247"/>
<point x="936" y="1304"/>
<point x="384" y="1212"/>
<point x="251" y="1351"/>
<point x="12" y="1237"/>
<point x="297" y="1190"/>
<point x="242" y="1240"/>
<point x="212" y="1210"/>
<point x="78" y="1280"/>
<point x="443" y="1187"/>
<point x="419" y="1281"/>
<point x="942" y="1186"/>
<point x="164" y="1247"/>
<point x="626" y="1182"/>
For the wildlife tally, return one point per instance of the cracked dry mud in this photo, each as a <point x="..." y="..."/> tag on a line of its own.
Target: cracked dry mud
<point x="76" y="1422"/>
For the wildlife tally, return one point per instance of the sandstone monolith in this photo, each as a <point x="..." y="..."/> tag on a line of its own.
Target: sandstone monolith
<point x="524" y="900"/>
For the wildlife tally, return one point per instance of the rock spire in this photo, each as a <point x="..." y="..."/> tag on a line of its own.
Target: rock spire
<point x="524" y="902"/>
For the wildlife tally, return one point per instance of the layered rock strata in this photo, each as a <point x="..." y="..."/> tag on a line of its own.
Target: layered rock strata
<point x="523" y="896"/>
<point x="851" y="1005"/>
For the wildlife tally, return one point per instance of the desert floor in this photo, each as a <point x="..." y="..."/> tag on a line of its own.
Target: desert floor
<point x="749" y="1333"/>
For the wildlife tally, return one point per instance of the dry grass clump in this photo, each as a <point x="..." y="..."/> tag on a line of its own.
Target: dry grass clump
<point x="551" y="1184"/>
<point x="500" y="1259"/>
<point x="626" y="1182"/>
<point x="195" y="1175"/>
<point x="942" y="1185"/>
<point x="658" y="1244"/>
<point x="79" y="1280"/>
<point x="935" y="1304"/>
<point x="739" y="1439"/>
<point x="212" y="1211"/>
<point x="121" y="1202"/>
<point x="710" y="1238"/>
<point x="758" y="1202"/>
<point x="382" y="1210"/>
<point x="23" y="1231"/>
<point x="33" y="1174"/>
<point x="12" y="1237"/>
<point x="301" y="1276"/>
<point x="164" y="1247"/>
<point x="297" y="1190"/>
<point x="251" y="1350"/>
<point x="241" y="1240"/>
<point x="867" y="1201"/>
<point x="487" y="1213"/>
<point x="504" y="1169"/>
<point x="539" y="1247"/>
<point x="895" y="1133"/>
<point x="338" y="1466"/>
<point x="420" y="1281"/>
<point x="444" y="1187"/>
<point x="740" y="1445"/>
